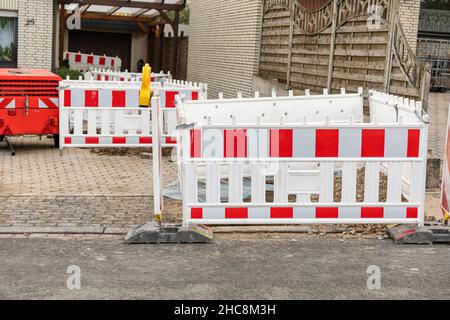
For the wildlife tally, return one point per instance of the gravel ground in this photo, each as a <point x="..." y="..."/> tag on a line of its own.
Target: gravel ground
<point x="284" y="268"/>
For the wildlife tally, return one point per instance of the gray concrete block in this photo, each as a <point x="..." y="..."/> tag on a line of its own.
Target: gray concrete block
<point x="412" y="234"/>
<point x="152" y="233"/>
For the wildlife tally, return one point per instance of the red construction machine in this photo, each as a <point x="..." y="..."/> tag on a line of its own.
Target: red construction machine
<point x="28" y="103"/>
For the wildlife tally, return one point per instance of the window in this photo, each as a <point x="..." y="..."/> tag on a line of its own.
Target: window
<point x="8" y="41"/>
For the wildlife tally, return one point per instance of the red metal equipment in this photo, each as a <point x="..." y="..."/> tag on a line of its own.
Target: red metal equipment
<point x="29" y="103"/>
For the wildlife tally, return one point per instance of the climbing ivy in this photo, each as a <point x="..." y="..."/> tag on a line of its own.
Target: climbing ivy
<point x="3" y="22"/>
<point x="436" y="4"/>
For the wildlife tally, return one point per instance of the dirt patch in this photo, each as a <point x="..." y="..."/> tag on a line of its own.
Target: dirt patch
<point x="122" y="152"/>
<point x="173" y="214"/>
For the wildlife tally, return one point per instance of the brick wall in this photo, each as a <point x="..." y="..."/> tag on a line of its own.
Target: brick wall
<point x="35" y="24"/>
<point x="433" y="48"/>
<point x="224" y="43"/>
<point x="8" y="5"/>
<point x="409" y="16"/>
<point x="35" y="40"/>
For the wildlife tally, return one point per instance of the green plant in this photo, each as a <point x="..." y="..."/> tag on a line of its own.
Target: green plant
<point x="184" y="15"/>
<point x="140" y="65"/>
<point x="73" y="74"/>
<point x="436" y="4"/>
<point x="7" y="53"/>
<point x="65" y="64"/>
<point x="3" y="22"/>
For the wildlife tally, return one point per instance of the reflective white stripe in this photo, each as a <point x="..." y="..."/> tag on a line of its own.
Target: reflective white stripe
<point x="396" y="142"/>
<point x="350" y="142"/>
<point x="259" y="213"/>
<point x="317" y="142"/>
<point x="77" y="97"/>
<point x="105" y="97"/>
<point x="258" y="143"/>
<point x="212" y="143"/>
<point x="304" y="143"/>
<point x="214" y="213"/>
<point x="80" y="141"/>
<point x="305" y="212"/>
<point x="132" y="98"/>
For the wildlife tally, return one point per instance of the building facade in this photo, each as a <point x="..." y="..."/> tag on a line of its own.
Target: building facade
<point x="26" y="33"/>
<point x="30" y="36"/>
<point x="410" y="17"/>
<point x="225" y="40"/>
<point x="224" y="44"/>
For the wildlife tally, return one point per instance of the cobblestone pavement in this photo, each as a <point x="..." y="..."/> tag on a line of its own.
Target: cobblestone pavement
<point x="438" y="111"/>
<point x="81" y="211"/>
<point x="44" y="211"/>
<point x="40" y="188"/>
<point x="38" y="169"/>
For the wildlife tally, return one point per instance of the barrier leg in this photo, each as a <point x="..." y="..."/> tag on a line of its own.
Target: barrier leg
<point x="155" y="231"/>
<point x="157" y="154"/>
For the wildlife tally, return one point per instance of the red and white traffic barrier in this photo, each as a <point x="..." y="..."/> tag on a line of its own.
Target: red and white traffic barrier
<point x="107" y="113"/>
<point x="111" y="75"/>
<point x="165" y="96"/>
<point x="84" y="62"/>
<point x="300" y="145"/>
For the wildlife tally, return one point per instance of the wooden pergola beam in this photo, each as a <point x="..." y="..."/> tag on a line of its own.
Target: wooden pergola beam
<point x="127" y="4"/>
<point x="143" y="22"/>
<point x="105" y="17"/>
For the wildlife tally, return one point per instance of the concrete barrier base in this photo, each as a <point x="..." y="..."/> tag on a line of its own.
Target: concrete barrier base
<point x="412" y="234"/>
<point x="152" y="233"/>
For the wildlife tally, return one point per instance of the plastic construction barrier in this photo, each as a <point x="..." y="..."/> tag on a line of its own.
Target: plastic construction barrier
<point x="307" y="159"/>
<point x="165" y="97"/>
<point x="111" y="75"/>
<point x="84" y="62"/>
<point x="108" y="114"/>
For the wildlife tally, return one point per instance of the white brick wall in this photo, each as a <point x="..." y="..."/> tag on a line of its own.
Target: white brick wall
<point x="34" y="48"/>
<point x="409" y="16"/>
<point x="8" y="5"/>
<point x="224" y="44"/>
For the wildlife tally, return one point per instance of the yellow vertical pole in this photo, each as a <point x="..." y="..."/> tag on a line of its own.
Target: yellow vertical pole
<point x="146" y="88"/>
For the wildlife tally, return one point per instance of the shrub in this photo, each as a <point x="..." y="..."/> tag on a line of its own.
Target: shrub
<point x="73" y="74"/>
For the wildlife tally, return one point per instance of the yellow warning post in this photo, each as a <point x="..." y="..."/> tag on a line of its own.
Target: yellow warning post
<point x="146" y="89"/>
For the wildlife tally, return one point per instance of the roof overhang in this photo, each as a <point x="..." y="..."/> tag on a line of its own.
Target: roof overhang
<point x="139" y="11"/>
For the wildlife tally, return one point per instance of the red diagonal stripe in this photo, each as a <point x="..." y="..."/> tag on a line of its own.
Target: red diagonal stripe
<point x="4" y="103"/>
<point x="49" y="103"/>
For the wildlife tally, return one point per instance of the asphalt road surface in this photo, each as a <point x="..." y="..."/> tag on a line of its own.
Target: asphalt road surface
<point x="305" y="268"/>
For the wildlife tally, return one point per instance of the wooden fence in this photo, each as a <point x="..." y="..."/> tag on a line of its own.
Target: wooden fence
<point x="345" y="43"/>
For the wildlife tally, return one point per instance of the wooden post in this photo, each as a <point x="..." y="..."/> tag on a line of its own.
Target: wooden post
<point x="425" y="85"/>
<point x="62" y="31"/>
<point x="289" y="62"/>
<point x="157" y="49"/>
<point x="390" y="45"/>
<point x="174" y="57"/>
<point x="332" y="46"/>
